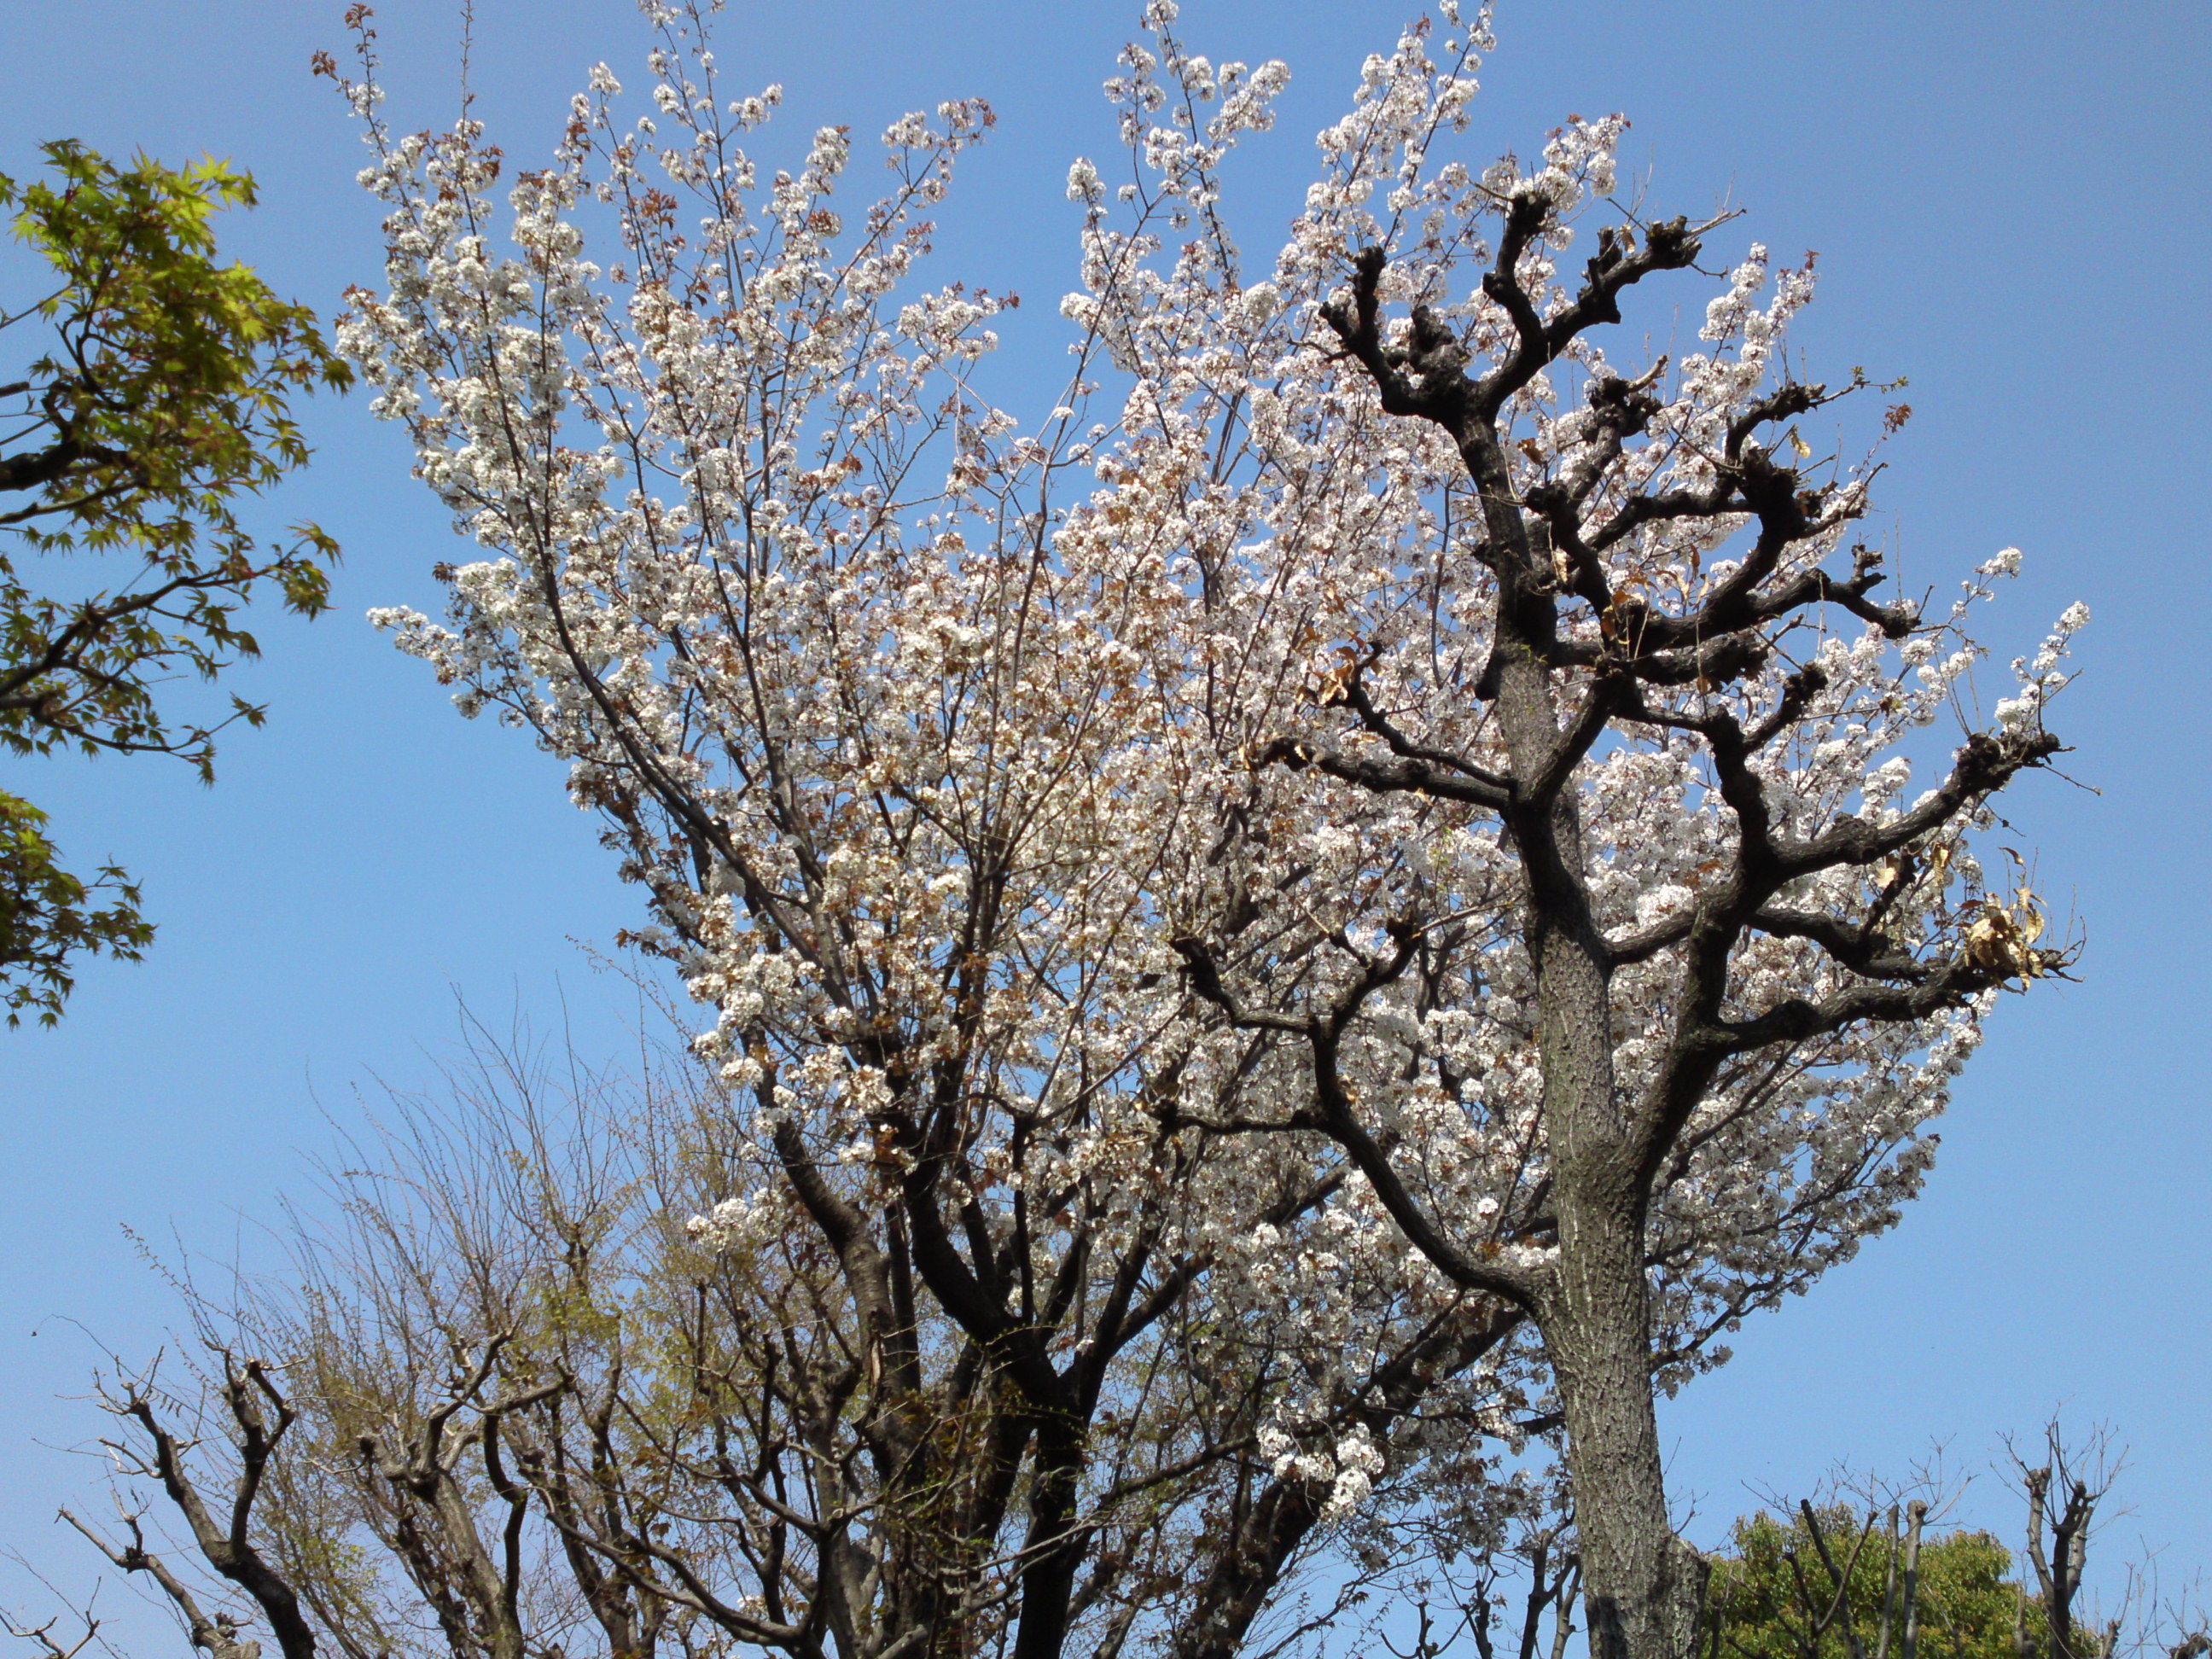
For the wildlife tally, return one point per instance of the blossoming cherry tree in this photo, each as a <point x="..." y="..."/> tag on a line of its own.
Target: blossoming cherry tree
<point x="1367" y="861"/>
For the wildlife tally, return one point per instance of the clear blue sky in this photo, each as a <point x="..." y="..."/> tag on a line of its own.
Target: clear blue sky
<point x="2010" y="206"/>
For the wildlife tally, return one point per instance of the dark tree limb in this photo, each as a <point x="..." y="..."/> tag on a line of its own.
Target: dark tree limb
<point x="262" y="1418"/>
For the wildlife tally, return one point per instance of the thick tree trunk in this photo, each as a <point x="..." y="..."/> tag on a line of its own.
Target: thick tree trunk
<point x="1642" y="1587"/>
<point x="1055" y="1550"/>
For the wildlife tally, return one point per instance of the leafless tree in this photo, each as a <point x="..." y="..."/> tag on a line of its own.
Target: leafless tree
<point x="2063" y="1485"/>
<point x="522" y="1395"/>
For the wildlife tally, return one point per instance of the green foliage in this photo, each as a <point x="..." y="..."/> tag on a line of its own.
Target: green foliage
<point x="158" y="405"/>
<point x="46" y="914"/>
<point x="1969" y="1604"/>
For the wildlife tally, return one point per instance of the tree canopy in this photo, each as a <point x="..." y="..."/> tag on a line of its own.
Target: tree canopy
<point x="1969" y="1603"/>
<point x="158" y="403"/>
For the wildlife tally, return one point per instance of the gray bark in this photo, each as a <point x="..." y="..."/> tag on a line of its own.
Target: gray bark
<point x="1643" y="1587"/>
